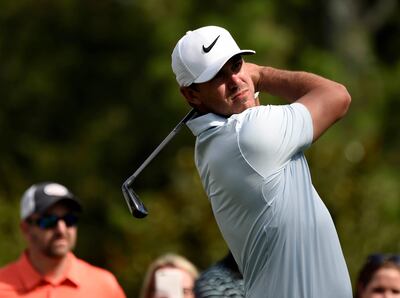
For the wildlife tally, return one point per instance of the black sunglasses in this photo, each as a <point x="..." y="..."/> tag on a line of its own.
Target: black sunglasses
<point x="379" y="259"/>
<point x="50" y="221"/>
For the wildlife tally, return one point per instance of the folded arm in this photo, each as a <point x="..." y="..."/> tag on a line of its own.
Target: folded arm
<point x="327" y="101"/>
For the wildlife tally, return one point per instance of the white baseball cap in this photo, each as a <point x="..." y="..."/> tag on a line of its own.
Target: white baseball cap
<point x="201" y="53"/>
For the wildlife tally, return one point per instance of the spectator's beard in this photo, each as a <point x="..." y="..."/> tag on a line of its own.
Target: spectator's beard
<point x="57" y="246"/>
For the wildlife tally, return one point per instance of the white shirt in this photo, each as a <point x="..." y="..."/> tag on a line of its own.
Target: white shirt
<point x="255" y="174"/>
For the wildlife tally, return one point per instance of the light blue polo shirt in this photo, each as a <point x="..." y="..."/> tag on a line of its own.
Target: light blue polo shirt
<point x="255" y="174"/>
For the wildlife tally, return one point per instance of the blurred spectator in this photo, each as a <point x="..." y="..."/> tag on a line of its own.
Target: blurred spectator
<point x="169" y="276"/>
<point x="223" y="279"/>
<point x="379" y="277"/>
<point x="48" y="268"/>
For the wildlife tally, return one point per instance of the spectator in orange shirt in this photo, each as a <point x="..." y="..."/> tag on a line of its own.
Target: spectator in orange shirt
<point x="48" y="268"/>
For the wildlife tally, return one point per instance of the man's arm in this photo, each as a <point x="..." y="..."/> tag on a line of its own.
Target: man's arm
<point x="326" y="100"/>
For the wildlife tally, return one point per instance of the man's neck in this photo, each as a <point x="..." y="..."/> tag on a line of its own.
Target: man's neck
<point x="51" y="267"/>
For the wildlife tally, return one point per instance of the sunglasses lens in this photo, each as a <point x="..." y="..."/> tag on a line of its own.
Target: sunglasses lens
<point x="380" y="259"/>
<point x="47" y="222"/>
<point x="50" y="221"/>
<point x="395" y="259"/>
<point x="70" y="220"/>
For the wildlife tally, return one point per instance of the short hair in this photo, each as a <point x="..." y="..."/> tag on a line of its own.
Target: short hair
<point x="168" y="259"/>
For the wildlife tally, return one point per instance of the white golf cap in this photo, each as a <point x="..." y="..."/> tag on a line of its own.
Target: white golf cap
<point x="201" y="53"/>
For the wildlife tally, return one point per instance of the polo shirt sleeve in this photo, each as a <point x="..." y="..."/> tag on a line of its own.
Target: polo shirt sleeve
<point x="269" y="136"/>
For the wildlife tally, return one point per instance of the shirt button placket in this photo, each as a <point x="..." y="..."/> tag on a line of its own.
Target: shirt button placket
<point x="50" y="291"/>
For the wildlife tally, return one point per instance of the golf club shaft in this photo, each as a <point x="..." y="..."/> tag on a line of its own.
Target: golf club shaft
<point x="136" y="207"/>
<point x="161" y="146"/>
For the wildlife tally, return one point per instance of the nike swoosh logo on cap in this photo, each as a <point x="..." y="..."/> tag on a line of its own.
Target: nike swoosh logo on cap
<point x="207" y="49"/>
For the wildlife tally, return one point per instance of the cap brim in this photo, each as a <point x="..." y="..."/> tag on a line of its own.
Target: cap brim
<point x="71" y="203"/>
<point x="211" y="71"/>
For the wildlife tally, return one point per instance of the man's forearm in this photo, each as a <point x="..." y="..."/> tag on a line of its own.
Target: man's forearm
<point x="289" y="85"/>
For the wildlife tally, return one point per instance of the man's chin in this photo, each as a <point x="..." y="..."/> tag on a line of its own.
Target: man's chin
<point x="58" y="252"/>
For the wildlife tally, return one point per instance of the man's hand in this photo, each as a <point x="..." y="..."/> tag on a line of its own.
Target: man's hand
<point x="254" y="70"/>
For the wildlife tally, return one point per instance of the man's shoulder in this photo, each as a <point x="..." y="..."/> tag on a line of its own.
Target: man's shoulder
<point x="273" y="116"/>
<point x="94" y="271"/>
<point x="251" y="115"/>
<point x="9" y="280"/>
<point x="104" y="279"/>
<point x="8" y="269"/>
<point x="263" y="110"/>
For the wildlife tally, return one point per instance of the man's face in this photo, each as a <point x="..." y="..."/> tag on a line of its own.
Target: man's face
<point x="231" y="91"/>
<point x="53" y="242"/>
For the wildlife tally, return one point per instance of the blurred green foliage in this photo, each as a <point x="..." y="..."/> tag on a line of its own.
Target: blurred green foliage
<point x="87" y="93"/>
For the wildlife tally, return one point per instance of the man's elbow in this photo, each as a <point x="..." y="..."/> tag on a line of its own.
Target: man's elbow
<point x="343" y="99"/>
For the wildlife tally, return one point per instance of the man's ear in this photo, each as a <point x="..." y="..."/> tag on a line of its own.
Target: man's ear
<point x="191" y="96"/>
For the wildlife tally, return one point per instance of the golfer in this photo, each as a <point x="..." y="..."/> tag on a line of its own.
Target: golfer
<point x="251" y="162"/>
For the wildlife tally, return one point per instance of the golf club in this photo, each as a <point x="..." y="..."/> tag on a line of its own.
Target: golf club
<point x="135" y="205"/>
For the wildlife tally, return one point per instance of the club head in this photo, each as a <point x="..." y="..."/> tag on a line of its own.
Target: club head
<point x="135" y="205"/>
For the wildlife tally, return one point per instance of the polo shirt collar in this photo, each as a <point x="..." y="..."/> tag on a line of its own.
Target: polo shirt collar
<point x="75" y="272"/>
<point x="31" y="278"/>
<point x="204" y="122"/>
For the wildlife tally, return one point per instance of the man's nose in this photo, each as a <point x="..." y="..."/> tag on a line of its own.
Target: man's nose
<point x="61" y="225"/>
<point x="233" y="80"/>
